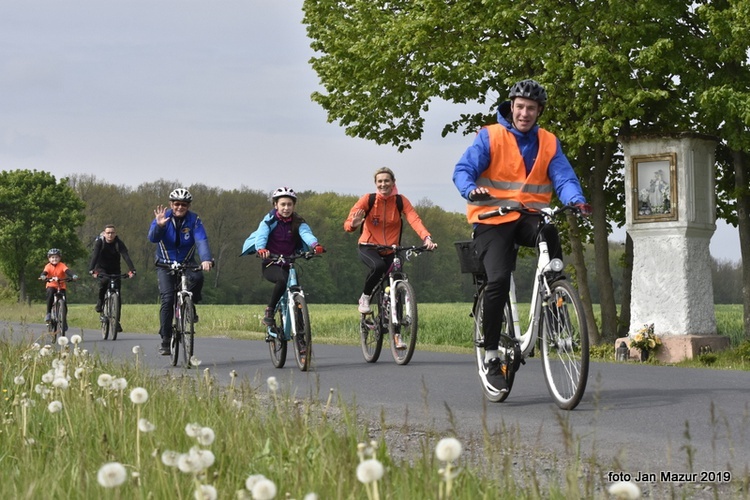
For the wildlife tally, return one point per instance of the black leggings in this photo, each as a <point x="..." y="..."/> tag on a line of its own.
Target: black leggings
<point x="378" y="264"/>
<point x="278" y="275"/>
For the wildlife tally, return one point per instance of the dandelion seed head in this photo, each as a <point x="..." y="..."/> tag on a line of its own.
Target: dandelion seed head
<point x="233" y="374"/>
<point x="448" y="449"/>
<point x="45" y="351"/>
<point x="273" y="384"/>
<point x="169" y="458"/>
<point x="35" y="346"/>
<point x="625" y="490"/>
<point x="195" y="362"/>
<point x="204" y="458"/>
<point x="264" y="489"/>
<point x="76" y="339"/>
<point x="79" y="372"/>
<point x="60" y="383"/>
<point x="189" y="464"/>
<point x="193" y="429"/>
<point x="54" y="406"/>
<point x="206" y="436"/>
<point x="139" y="395"/>
<point x="369" y="471"/>
<point x="252" y="480"/>
<point x="145" y="426"/>
<point x="136" y="349"/>
<point x="118" y="384"/>
<point x="48" y="377"/>
<point x="111" y="474"/>
<point x="104" y="380"/>
<point x="236" y="404"/>
<point x="62" y="340"/>
<point x="206" y="492"/>
<point x="19" y="380"/>
<point x="311" y="496"/>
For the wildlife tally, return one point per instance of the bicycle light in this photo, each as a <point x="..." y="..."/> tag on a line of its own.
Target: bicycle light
<point x="555" y="265"/>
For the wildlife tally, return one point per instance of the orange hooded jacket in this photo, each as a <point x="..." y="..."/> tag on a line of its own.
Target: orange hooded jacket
<point x="382" y="225"/>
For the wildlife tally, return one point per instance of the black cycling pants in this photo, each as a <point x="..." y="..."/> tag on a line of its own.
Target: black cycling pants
<point x="279" y="276"/>
<point x="378" y="264"/>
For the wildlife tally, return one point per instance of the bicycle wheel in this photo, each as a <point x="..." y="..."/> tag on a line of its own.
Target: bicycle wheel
<point x="114" y="314"/>
<point x="52" y="325"/>
<point x="188" y="330"/>
<point x="174" y="346"/>
<point x="277" y="344"/>
<point x="406" y="328"/>
<point x="371" y="330"/>
<point x="104" y="317"/>
<point x="302" y="340"/>
<point x="565" y="346"/>
<point x="62" y="318"/>
<point x="508" y="349"/>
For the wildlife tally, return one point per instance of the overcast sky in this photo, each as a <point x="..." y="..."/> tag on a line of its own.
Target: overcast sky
<point x="196" y="91"/>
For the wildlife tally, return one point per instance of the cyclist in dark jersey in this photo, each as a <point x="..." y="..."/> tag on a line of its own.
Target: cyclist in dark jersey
<point x="105" y="258"/>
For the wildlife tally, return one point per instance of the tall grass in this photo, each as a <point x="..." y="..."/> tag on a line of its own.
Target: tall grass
<point x="67" y="413"/>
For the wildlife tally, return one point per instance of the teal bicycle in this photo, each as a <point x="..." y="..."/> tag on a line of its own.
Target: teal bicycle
<point x="292" y="318"/>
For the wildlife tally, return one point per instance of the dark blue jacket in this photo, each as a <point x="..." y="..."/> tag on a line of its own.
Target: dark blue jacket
<point x="192" y="238"/>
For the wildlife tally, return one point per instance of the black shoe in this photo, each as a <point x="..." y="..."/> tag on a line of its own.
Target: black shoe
<point x="301" y="345"/>
<point x="164" y="349"/>
<point x="495" y="375"/>
<point x="98" y="307"/>
<point x="268" y="318"/>
<point x="119" y="327"/>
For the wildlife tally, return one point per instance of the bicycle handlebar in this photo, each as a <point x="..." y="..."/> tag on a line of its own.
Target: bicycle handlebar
<point x="548" y="211"/>
<point x="53" y="278"/>
<point x="281" y="259"/>
<point x="178" y="266"/>
<point x="397" y="248"/>
<point x="109" y="276"/>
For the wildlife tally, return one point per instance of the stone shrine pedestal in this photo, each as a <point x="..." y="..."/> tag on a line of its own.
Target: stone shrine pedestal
<point x="671" y="216"/>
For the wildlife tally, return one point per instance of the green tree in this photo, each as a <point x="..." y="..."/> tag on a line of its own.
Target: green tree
<point x="36" y="213"/>
<point x="723" y="94"/>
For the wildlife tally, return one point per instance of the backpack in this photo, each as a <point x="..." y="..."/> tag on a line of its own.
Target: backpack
<point x="399" y="206"/>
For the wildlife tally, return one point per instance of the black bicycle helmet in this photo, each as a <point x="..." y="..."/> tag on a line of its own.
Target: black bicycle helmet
<point x="284" y="192"/>
<point x="54" y="251"/>
<point x="181" y="194"/>
<point x="529" y="89"/>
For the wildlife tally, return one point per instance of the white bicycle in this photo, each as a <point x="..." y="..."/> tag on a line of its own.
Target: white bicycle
<point x="556" y="321"/>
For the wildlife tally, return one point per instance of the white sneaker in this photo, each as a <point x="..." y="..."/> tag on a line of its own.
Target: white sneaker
<point x="364" y="304"/>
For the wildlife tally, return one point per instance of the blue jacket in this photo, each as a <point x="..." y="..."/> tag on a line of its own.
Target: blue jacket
<point x="476" y="159"/>
<point x="259" y="237"/>
<point x="192" y="238"/>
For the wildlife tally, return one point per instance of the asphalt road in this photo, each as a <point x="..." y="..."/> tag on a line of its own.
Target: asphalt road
<point x="634" y="415"/>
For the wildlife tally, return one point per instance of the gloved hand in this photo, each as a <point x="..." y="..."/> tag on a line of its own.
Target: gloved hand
<point x="75" y="277"/>
<point x="94" y="274"/>
<point x="42" y="277"/>
<point x="263" y="253"/>
<point x="318" y="249"/>
<point x="584" y="209"/>
<point x="131" y="274"/>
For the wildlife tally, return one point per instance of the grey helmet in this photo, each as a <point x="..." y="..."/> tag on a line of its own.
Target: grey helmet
<point x="529" y="89"/>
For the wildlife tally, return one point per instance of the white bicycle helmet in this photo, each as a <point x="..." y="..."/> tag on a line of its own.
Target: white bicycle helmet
<point x="54" y="251"/>
<point x="284" y="192"/>
<point x="181" y="194"/>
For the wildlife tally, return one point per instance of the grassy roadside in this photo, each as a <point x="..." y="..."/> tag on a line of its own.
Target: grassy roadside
<point x="442" y="327"/>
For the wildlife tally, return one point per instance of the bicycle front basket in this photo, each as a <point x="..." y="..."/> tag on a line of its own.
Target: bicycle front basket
<point x="468" y="258"/>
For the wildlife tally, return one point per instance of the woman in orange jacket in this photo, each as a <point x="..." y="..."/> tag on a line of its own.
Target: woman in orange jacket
<point x="379" y="217"/>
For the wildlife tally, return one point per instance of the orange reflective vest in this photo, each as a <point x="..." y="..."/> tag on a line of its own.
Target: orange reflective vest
<point x="506" y="180"/>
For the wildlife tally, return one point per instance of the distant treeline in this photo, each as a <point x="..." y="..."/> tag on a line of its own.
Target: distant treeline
<point x="231" y="215"/>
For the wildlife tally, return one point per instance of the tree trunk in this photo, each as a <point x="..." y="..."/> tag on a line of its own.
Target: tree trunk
<point x="741" y="180"/>
<point x="22" y="298"/>
<point x="582" y="279"/>
<point x="627" y="282"/>
<point x="608" y="305"/>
